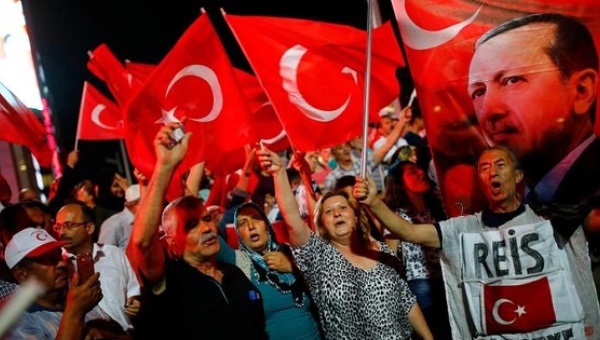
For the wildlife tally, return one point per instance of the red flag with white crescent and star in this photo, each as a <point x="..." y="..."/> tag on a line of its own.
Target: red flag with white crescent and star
<point x="313" y="74"/>
<point x="195" y="80"/>
<point x="139" y="71"/>
<point x="105" y="65"/>
<point x="518" y="308"/>
<point x="21" y="126"/>
<point x="99" y="117"/>
<point x="264" y="119"/>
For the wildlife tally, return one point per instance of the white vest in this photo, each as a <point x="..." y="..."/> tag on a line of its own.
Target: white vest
<point x="519" y="281"/>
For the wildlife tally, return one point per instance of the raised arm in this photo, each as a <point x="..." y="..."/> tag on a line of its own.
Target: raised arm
<point x="298" y="232"/>
<point x="365" y="191"/>
<point x="194" y="178"/>
<point x="398" y="131"/>
<point x="299" y="162"/>
<point x="81" y="298"/>
<point x="147" y="249"/>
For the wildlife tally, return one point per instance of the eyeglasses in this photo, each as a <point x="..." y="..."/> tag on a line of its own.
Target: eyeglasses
<point x="69" y="225"/>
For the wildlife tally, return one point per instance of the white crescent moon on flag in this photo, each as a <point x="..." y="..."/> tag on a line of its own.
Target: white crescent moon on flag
<point x="288" y="70"/>
<point x="277" y="138"/>
<point x="206" y="73"/>
<point x="96" y="117"/>
<point x="496" y="315"/>
<point x="418" y="38"/>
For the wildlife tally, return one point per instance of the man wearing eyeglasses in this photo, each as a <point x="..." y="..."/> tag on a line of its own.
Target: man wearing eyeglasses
<point x="75" y="226"/>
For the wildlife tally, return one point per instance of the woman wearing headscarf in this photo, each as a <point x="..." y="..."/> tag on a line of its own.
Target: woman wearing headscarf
<point x="266" y="263"/>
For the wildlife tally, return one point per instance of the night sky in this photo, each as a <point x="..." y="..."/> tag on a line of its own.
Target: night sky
<point x="62" y="31"/>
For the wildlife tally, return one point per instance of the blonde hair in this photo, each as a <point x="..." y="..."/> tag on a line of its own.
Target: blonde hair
<point x="363" y="229"/>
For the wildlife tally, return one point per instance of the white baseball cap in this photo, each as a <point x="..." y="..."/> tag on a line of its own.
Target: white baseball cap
<point x="29" y="242"/>
<point x="388" y="111"/>
<point x="132" y="193"/>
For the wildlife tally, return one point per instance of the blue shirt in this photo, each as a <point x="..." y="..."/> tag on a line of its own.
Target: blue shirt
<point x="284" y="319"/>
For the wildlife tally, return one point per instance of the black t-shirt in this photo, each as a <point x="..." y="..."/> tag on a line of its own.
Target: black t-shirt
<point x="195" y="306"/>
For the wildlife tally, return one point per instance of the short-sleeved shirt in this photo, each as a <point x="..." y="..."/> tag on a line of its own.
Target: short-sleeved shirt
<point x="39" y="322"/>
<point x="355" y="303"/>
<point x="196" y="306"/>
<point x="284" y="319"/>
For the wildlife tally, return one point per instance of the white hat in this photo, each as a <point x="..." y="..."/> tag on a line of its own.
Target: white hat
<point x="29" y="242"/>
<point x="388" y="111"/>
<point x="132" y="193"/>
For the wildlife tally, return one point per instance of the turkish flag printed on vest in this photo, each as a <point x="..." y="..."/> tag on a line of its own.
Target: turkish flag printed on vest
<point x="195" y="80"/>
<point x="519" y="308"/>
<point x="99" y="117"/>
<point x="21" y="126"/>
<point x="313" y="73"/>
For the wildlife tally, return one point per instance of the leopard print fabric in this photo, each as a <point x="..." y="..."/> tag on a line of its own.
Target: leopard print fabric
<point x="354" y="303"/>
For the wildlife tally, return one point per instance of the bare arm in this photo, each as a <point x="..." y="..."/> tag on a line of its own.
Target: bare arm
<point x="418" y="323"/>
<point x="390" y="140"/>
<point x="146" y="245"/>
<point x="194" y="179"/>
<point x="299" y="233"/>
<point x="393" y="242"/>
<point x="80" y="300"/>
<point x="247" y="169"/>
<point x="365" y="192"/>
<point x="300" y="163"/>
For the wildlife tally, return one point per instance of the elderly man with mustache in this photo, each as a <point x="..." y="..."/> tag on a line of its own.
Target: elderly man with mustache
<point x="190" y="293"/>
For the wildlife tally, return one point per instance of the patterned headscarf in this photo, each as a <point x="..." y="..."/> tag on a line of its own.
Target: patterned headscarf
<point x="284" y="282"/>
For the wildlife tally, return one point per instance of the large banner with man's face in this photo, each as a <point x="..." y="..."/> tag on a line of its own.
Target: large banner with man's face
<point x="521" y="74"/>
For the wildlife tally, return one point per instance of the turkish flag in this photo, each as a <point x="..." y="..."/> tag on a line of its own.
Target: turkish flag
<point x="105" y="65"/>
<point x="99" y="117"/>
<point x="518" y="308"/>
<point x="138" y="73"/>
<point x="264" y="119"/>
<point x="21" y="126"/>
<point x="313" y="73"/>
<point x="264" y="122"/>
<point x="195" y="80"/>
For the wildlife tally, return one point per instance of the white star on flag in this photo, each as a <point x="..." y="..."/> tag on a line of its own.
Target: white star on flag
<point x="520" y="310"/>
<point x="168" y="117"/>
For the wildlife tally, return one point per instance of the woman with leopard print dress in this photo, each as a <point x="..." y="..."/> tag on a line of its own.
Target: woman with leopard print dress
<point x="355" y="281"/>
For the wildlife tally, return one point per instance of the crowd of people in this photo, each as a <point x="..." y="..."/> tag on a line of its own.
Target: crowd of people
<point x="299" y="245"/>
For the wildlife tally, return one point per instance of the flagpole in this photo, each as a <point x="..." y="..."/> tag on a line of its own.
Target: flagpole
<point x="125" y="161"/>
<point x="365" y="131"/>
<point x="85" y="85"/>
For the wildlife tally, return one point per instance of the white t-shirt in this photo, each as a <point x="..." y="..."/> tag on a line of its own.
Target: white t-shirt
<point x="388" y="156"/>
